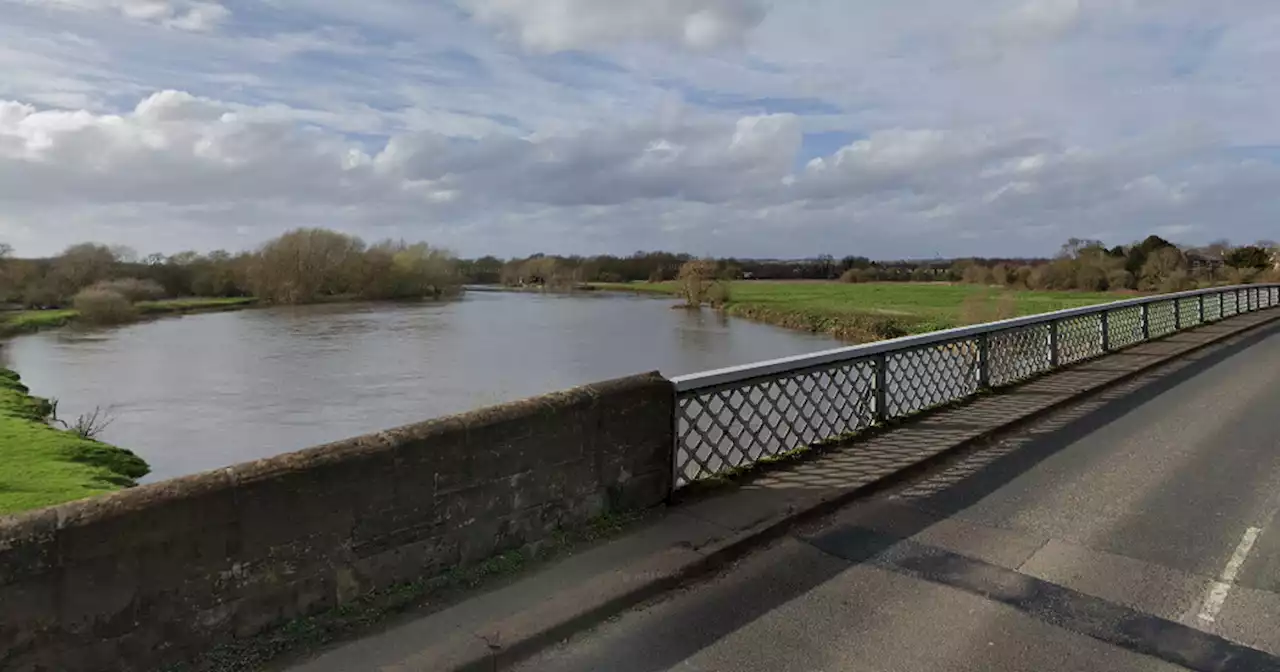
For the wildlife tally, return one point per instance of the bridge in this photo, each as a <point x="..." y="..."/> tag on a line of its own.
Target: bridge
<point x="1094" y="488"/>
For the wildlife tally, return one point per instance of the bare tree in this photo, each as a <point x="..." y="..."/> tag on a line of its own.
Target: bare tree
<point x="696" y="278"/>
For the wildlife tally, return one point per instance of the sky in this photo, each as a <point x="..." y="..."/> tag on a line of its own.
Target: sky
<point x="882" y="128"/>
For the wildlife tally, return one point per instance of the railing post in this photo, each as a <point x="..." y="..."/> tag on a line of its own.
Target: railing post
<point x="1200" y="309"/>
<point x="1054" y="357"/>
<point x="1177" y="314"/>
<point x="1146" y="323"/>
<point x="984" y="361"/>
<point x="1222" y="305"/>
<point x="1106" y="332"/>
<point x="882" y="388"/>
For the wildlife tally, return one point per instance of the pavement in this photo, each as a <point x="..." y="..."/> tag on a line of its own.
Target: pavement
<point x="1128" y="522"/>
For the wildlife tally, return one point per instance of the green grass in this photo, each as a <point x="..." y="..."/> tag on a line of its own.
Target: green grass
<point x="871" y="310"/>
<point x="41" y="466"/>
<point x="35" y="320"/>
<point x="26" y="321"/>
<point x="197" y="303"/>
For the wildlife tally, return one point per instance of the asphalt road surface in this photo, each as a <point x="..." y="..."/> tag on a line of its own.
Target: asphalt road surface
<point x="1136" y="531"/>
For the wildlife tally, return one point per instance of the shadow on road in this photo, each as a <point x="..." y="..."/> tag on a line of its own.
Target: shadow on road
<point x="952" y="487"/>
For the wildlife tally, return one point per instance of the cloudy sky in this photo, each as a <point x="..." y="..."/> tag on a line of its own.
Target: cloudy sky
<point x="889" y="128"/>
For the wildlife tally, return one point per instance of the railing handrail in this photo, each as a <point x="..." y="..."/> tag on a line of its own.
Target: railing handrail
<point x="771" y="367"/>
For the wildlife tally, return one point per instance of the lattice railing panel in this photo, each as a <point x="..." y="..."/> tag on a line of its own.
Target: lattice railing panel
<point x="922" y="378"/>
<point x="1160" y="319"/>
<point x="1189" y="312"/>
<point x="1018" y="354"/>
<point x="1124" y="327"/>
<point x="1079" y="338"/>
<point x="1212" y="309"/>
<point x="721" y="429"/>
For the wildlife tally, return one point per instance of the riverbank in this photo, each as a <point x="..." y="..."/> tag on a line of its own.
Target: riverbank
<point x="41" y="465"/>
<point x="28" y="321"/>
<point x="866" y="312"/>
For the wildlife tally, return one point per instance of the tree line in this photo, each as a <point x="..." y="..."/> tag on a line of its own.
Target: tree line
<point x="1152" y="264"/>
<point x="301" y="266"/>
<point x="309" y="265"/>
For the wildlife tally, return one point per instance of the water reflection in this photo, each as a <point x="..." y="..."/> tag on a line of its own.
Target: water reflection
<point x="205" y="391"/>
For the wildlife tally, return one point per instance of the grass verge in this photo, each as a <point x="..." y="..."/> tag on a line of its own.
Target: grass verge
<point x="416" y="598"/>
<point x="28" y="321"/>
<point x="42" y="466"/>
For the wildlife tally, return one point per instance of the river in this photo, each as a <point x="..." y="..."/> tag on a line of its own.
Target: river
<point x="204" y="391"/>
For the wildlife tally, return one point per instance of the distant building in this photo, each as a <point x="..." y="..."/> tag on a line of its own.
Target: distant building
<point x="1202" y="262"/>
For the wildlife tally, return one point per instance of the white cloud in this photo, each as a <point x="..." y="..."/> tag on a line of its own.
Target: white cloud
<point x="193" y="15"/>
<point x="205" y="168"/>
<point x="1040" y="19"/>
<point x="576" y="126"/>
<point x="556" y="25"/>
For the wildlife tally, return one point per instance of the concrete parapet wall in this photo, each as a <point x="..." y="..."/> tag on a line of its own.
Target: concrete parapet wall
<point x="159" y="573"/>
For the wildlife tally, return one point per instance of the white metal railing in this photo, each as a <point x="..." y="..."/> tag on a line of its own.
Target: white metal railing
<point x="733" y="417"/>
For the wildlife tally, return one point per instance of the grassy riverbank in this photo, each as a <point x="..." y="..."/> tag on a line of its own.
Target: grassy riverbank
<point x="873" y="311"/>
<point x="34" y="320"/>
<point x="41" y="466"/>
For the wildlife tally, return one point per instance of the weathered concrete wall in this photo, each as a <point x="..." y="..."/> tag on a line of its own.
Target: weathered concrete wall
<point x="158" y="573"/>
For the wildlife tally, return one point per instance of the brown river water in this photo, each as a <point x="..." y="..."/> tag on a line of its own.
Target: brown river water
<point x="204" y="391"/>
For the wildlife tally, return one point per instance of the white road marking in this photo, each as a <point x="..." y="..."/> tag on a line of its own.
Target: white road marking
<point x="1218" y="591"/>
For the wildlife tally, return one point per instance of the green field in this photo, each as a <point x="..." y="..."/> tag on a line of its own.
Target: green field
<point x="870" y="311"/>
<point x="42" y="466"/>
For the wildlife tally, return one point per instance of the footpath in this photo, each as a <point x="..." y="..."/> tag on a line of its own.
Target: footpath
<point x="698" y="534"/>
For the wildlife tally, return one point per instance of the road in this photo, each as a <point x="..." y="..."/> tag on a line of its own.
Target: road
<point x="1137" y="531"/>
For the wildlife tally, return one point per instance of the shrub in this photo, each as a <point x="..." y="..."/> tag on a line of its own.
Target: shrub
<point x="1091" y="278"/>
<point x="1164" y="267"/>
<point x="101" y="306"/>
<point x="1241" y="276"/>
<point x="43" y="294"/>
<point x="1177" y="281"/>
<point x="854" y="275"/>
<point x="1021" y="276"/>
<point x="696" y="278"/>
<point x="1002" y="275"/>
<point x="718" y="294"/>
<point x="1118" y="278"/>
<point x="977" y="275"/>
<point x="133" y="289"/>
